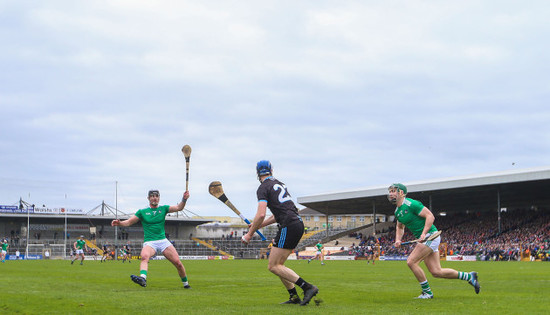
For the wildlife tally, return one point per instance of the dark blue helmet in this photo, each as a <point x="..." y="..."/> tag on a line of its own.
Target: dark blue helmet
<point x="263" y="168"/>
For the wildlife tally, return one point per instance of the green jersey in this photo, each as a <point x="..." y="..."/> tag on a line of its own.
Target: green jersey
<point x="153" y="222"/>
<point x="80" y="244"/>
<point x="407" y="214"/>
<point x="5" y="246"/>
<point x="319" y="246"/>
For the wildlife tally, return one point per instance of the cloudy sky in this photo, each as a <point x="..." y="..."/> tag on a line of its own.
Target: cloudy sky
<point x="337" y="94"/>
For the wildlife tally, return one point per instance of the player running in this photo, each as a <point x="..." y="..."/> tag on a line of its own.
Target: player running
<point x="319" y="254"/>
<point x="153" y="221"/>
<point x="372" y="247"/>
<point x="126" y="253"/>
<point x="4" y="251"/>
<point x="105" y="249"/>
<point x="79" y="247"/>
<point x="273" y="194"/>
<point x="369" y="253"/>
<point x="419" y="220"/>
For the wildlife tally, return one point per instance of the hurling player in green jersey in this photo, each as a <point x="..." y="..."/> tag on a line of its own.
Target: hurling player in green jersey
<point x="79" y="247"/>
<point x="4" y="251"/>
<point x="319" y="254"/>
<point x="155" y="241"/>
<point x="419" y="220"/>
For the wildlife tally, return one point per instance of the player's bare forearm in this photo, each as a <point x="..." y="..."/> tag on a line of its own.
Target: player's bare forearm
<point x="132" y="220"/>
<point x="180" y="206"/>
<point x="257" y="223"/>
<point x="117" y="222"/>
<point x="399" y="231"/>
<point x="268" y="221"/>
<point x="429" y="217"/>
<point x="258" y="218"/>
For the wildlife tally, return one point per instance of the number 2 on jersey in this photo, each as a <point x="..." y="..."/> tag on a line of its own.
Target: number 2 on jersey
<point x="282" y="197"/>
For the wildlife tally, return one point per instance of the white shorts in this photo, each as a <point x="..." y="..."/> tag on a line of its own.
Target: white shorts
<point x="434" y="245"/>
<point x="319" y="252"/>
<point x="159" y="246"/>
<point x="4" y="252"/>
<point x="79" y="251"/>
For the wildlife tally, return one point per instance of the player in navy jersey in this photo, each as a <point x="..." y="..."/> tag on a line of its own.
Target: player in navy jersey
<point x="273" y="194"/>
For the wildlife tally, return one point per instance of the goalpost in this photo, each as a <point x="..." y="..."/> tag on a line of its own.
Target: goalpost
<point x="57" y="251"/>
<point x="34" y="249"/>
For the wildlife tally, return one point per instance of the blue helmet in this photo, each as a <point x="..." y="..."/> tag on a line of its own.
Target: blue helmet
<point x="263" y="168"/>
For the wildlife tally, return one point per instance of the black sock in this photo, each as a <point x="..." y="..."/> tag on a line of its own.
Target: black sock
<point x="302" y="284"/>
<point x="292" y="292"/>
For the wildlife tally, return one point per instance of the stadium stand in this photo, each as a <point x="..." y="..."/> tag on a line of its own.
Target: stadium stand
<point x="524" y="234"/>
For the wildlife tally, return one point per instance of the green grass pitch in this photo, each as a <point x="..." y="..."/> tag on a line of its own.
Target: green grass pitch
<point x="247" y="287"/>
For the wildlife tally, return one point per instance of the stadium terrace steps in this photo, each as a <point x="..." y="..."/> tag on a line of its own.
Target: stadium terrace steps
<point x="91" y="244"/>
<point x="311" y="234"/>
<point x="332" y="235"/>
<point x="212" y="247"/>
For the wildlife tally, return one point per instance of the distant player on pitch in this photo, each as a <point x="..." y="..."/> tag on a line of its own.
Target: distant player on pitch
<point x="79" y="247"/>
<point x="153" y="220"/>
<point x="319" y="254"/>
<point x="105" y="255"/>
<point x="273" y="194"/>
<point x="126" y="253"/>
<point x="4" y="251"/>
<point x="419" y="220"/>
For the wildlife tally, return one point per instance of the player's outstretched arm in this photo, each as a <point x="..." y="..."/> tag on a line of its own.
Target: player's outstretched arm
<point x="180" y="205"/>
<point x="132" y="220"/>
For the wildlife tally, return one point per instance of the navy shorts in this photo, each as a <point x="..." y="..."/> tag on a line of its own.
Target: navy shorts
<point x="289" y="236"/>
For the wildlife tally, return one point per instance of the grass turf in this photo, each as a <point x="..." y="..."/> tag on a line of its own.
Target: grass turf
<point x="247" y="287"/>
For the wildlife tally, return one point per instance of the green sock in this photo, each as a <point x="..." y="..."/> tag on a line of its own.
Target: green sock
<point x="426" y="287"/>
<point x="184" y="280"/>
<point x="464" y="276"/>
<point x="143" y="273"/>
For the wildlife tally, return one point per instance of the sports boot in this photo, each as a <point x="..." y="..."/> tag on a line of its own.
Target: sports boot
<point x="309" y="294"/>
<point x="424" y="296"/>
<point x="139" y="280"/>
<point x="474" y="282"/>
<point x="294" y="299"/>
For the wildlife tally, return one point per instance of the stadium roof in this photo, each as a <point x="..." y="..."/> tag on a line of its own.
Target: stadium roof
<point x="524" y="188"/>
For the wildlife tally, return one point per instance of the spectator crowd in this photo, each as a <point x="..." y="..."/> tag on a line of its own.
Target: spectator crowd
<point x="522" y="233"/>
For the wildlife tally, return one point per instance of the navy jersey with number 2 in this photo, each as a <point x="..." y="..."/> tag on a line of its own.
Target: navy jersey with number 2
<point x="278" y="200"/>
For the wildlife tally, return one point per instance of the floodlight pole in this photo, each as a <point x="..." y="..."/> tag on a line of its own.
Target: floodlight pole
<point x="326" y="208"/>
<point x="374" y="218"/>
<point x="28" y="228"/>
<point x="498" y="209"/>
<point x="65" y="235"/>
<point x="116" y="218"/>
